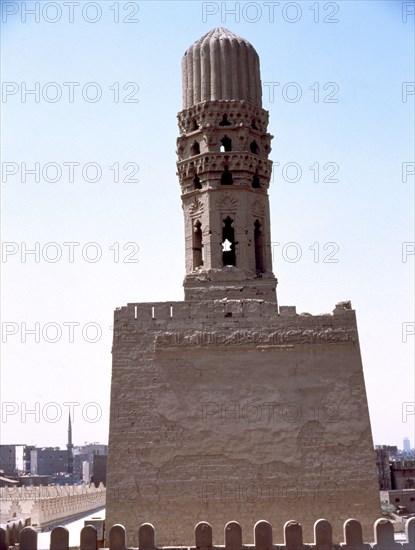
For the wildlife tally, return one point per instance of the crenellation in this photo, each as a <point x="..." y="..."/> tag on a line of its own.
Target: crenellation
<point x="181" y="310"/>
<point x="353" y="533"/>
<point x="135" y="315"/>
<point x="342" y="308"/>
<point x="293" y="535"/>
<point x="47" y="504"/>
<point x="384" y="533"/>
<point x="269" y="309"/>
<point x="288" y="311"/>
<point x="162" y="311"/>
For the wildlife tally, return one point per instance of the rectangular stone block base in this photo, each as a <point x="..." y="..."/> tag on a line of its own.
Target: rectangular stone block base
<point x="230" y="410"/>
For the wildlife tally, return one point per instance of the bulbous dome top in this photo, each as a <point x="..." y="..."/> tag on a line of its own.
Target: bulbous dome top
<point x="221" y="65"/>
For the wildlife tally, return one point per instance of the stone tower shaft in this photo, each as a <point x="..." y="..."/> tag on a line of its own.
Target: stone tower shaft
<point x="224" y="171"/>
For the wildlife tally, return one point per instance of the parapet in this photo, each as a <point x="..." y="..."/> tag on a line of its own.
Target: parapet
<point x="383" y="537"/>
<point x="220" y="309"/>
<point x="240" y="322"/>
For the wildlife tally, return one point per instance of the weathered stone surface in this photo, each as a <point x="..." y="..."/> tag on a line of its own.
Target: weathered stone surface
<point x="203" y="536"/>
<point x="146" y="537"/>
<point x="233" y="536"/>
<point x="88" y="538"/>
<point x="263" y="535"/>
<point x="59" y="538"/>
<point x="222" y="408"/>
<point x="221" y="65"/>
<point x="117" y="537"/>
<point x="224" y="172"/>
<point x="293" y="535"/>
<point x="28" y="539"/>
<point x="253" y="417"/>
<point x="323" y="535"/>
<point x="353" y="534"/>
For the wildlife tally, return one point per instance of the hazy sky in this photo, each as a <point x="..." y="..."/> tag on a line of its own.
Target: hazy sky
<point x="89" y="100"/>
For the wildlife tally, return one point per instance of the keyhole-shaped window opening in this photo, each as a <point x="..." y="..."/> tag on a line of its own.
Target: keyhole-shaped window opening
<point x="197" y="245"/>
<point x="253" y="124"/>
<point x="195" y="149"/>
<point x="254" y="147"/>
<point x="195" y="125"/>
<point x="256" y="183"/>
<point x="196" y="182"/>
<point x="259" y="249"/>
<point x="226" y="178"/>
<point x="224" y="121"/>
<point x="226" y="144"/>
<point x="228" y="243"/>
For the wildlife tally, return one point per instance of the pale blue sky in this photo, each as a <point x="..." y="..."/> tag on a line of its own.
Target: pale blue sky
<point x="368" y="213"/>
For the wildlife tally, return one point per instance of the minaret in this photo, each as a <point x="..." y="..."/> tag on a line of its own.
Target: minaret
<point x="224" y="171"/>
<point x="225" y="407"/>
<point x="69" y="446"/>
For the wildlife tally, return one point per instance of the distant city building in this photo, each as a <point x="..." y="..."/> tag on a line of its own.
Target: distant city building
<point x="99" y="470"/>
<point x="27" y="458"/>
<point x="86" y="461"/>
<point x="35" y="481"/>
<point x="400" y="499"/>
<point x="86" y="471"/>
<point x="91" y="449"/>
<point x="393" y="449"/>
<point x="403" y="474"/>
<point x="395" y="471"/>
<point x="12" y="459"/>
<point x="31" y="465"/>
<point x="78" y="461"/>
<point x="406" y="444"/>
<point x="48" y="461"/>
<point x="383" y="469"/>
<point x="53" y="461"/>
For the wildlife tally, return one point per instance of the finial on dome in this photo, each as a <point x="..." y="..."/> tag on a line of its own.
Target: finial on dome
<point x="221" y="66"/>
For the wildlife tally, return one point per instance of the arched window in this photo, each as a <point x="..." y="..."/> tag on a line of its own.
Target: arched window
<point x="197" y="245"/>
<point x="259" y="249"/>
<point x="226" y="178"/>
<point x="253" y="124"/>
<point x="254" y="147"/>
<point x="228" y="242"/>
<point x="256" y="183"/>
<point x="224" y="121"/>
<point x="226" y="144"/>
<point x="195" y="125"/>
<point x="195" y="149"/>
<point x="196" y="182"/>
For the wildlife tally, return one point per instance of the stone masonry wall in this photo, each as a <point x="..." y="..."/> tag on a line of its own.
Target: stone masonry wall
<point x="48" y="504"/>
<point x="227" y="409"/>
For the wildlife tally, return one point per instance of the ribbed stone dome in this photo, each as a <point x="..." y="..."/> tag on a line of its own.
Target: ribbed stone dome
<point x="221" y="65"/>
